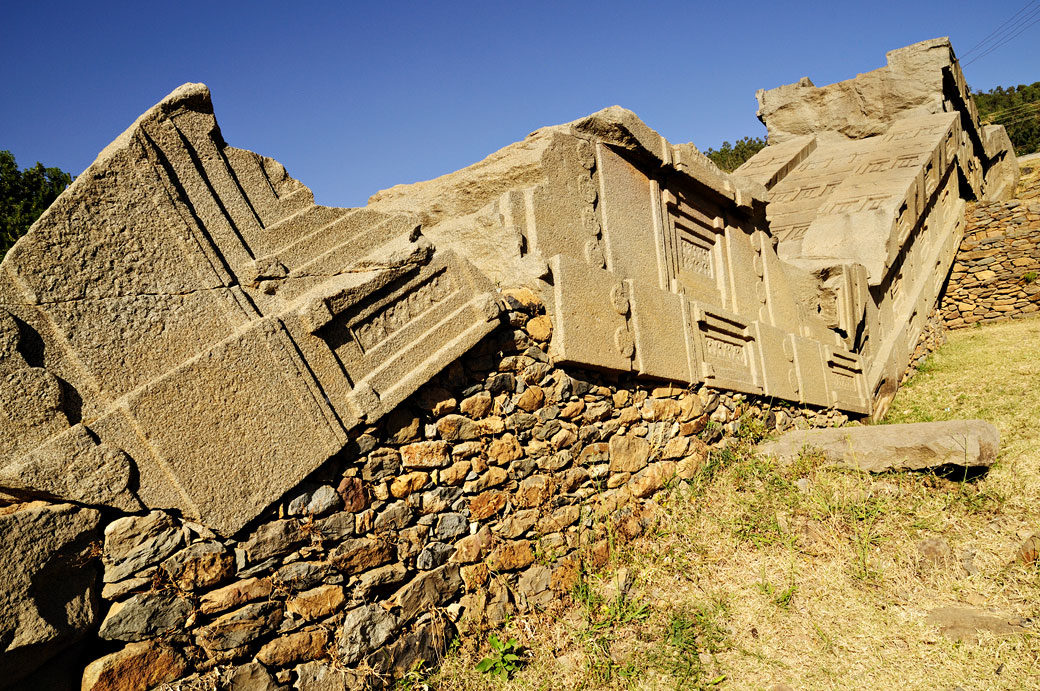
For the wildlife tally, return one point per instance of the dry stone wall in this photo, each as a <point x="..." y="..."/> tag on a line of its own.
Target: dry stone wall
<point x="318" y="440"/>
<point x="996" y="275"/>
<point x="484" y="494"/>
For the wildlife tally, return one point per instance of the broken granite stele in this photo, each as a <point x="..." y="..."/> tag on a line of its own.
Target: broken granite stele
<point x="185" y="329"/>
<point x="866" y="180"/>
<point x="879" y="448"/>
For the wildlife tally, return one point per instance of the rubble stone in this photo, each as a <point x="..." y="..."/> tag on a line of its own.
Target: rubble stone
<point x="134" y="542"/>
<point x="241" y="626"/>
<point x="145" y="616"/>
<point x="137" y="667"/>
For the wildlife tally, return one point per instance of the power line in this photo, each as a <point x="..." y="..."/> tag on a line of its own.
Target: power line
<point x="997" y="30"/>
<point x="1015" y="122"/>
<point x="1012" y="111"/>
<point x="1007" y="39"/>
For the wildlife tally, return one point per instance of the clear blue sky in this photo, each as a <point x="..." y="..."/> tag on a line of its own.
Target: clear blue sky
<point x="356" y="97"/>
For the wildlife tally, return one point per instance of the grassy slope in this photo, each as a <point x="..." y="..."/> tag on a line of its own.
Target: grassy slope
<point x="751" y="580"/>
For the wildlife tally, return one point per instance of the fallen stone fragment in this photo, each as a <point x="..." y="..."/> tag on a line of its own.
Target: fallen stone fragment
<point x="878" y="448"/>
<point x="239" y="395"/>
<point x="47" y="591"/>
<point x="1029" y="551"/>
<point x="965" y="623"/>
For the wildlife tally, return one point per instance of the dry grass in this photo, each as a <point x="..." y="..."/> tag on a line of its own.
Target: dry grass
<point x="760" y="574"/>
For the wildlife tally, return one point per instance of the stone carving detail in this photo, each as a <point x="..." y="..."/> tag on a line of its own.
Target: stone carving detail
<point x="187" y="330"/>
<point x="879" y="187"/>
<point x="215" y="333"/>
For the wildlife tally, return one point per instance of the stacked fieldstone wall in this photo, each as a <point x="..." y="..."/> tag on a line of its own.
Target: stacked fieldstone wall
<point x="932" y="337"/>
<point x="996" y="275"/>
<point x="485" y="494"/>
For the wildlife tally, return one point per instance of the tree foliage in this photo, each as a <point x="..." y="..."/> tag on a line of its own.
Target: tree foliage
<point x="728" y="157"/>
<point x="24" y="195"/>
<point x="1017" y="108"/>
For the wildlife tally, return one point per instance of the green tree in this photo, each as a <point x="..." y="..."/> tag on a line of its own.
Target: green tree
<point x="729" y="157"/>
<point x="1017" y="108"/>
<point x="24" y="195"/>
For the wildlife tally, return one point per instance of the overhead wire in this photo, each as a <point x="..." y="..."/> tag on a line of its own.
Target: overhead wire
<point x="978" y="45"/>
<point x="1008" y="37"/>
<point x="1015" y="122"/>
<point x="1013" y="111"/>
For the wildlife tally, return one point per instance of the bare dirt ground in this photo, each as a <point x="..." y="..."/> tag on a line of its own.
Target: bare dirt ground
<point x="762" y="576"/>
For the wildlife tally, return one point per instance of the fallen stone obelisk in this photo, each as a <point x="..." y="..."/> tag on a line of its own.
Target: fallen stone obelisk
<point x="877" y="448"/>
<point x="866" y="180"/>
<point x="186" y="339"/>
<point x="185" y="329"/>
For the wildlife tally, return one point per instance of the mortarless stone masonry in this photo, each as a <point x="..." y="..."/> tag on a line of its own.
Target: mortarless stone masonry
<point x="447" y="513"/>
<point x="996" y="275"/>
<point x="310" y="443"/>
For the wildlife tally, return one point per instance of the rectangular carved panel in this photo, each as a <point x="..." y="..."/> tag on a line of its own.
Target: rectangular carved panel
<point x="589" y="301"/>
<point x="812" y="373"/>
<point x="846" y="381"/>
<point x="395" y="338"/>
<point x="692" y="233"/>
<point x="662" y="348"/>
<point x="634" y="243"/>
<point x="726" y="349"/>
<point x="204" y="405"/>
<point x="780" y="378"/>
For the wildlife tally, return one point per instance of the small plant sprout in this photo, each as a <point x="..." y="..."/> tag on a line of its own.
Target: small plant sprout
<point x="504" y="660"/>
